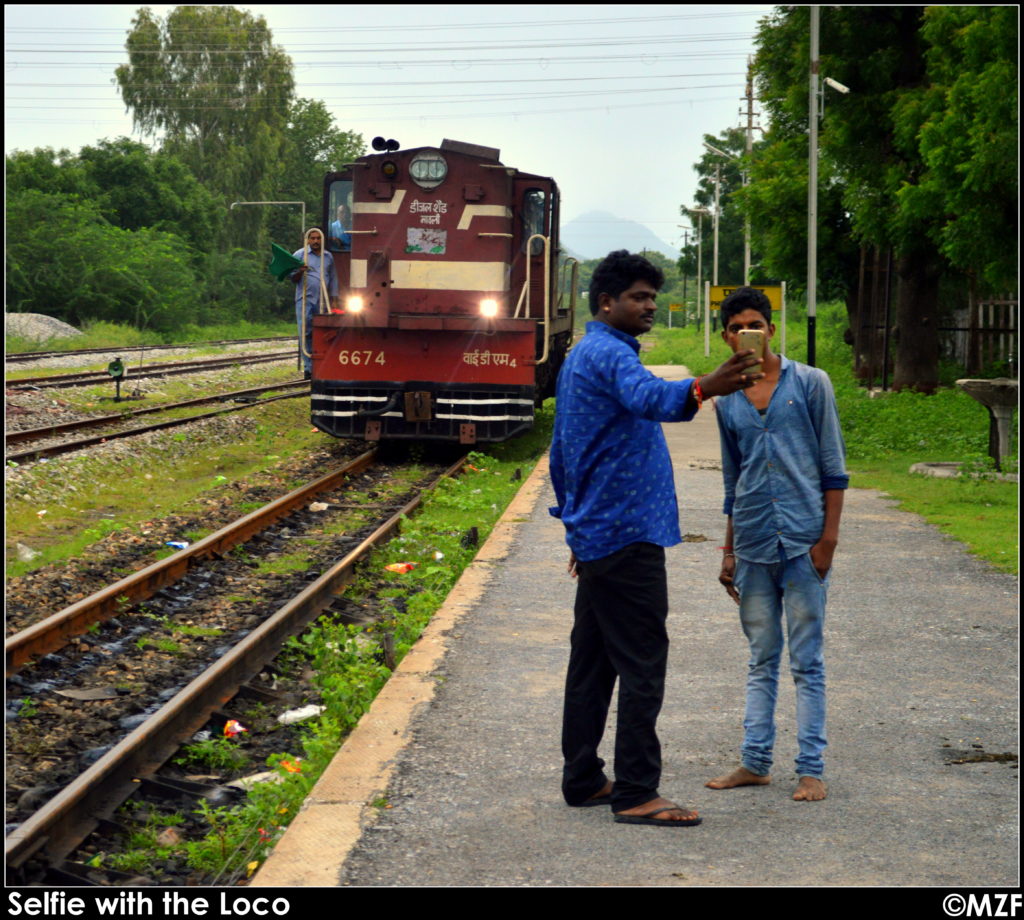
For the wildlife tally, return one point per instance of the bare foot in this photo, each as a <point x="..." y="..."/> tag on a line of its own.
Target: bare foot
<point x="741" y="776"/>
<point x="810" y="789"/>
<point x="604" y="793"/>
<point x="658" y="811"/>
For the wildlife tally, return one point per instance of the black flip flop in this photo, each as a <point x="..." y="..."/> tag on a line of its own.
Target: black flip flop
<point x="658" y="822"/>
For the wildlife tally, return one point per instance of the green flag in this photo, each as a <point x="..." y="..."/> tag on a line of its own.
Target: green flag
<point x="282" y="262"/>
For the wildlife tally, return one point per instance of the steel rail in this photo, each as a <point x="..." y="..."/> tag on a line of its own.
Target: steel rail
<point x="25" y="356"/>
<point x="62" y="823"/>
<point x="56" y="630"/>
<point x="49" y="431"/>
<point x="168" y="369"/>
<point x="36" y="453"/>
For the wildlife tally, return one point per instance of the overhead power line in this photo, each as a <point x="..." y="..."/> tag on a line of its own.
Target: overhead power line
<point x="392" y="27"/>
<point x="413" y="100"/>
<point x="460" y="64"/>
<point x="422" y="116"/>
<point x="414" y="48"/>
<point x="393" y="83"/>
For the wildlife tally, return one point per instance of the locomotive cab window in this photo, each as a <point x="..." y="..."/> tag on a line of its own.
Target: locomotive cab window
<point x="428" y="170"/>
<point x="534" y="208"/>
<point x="339" y="216"/>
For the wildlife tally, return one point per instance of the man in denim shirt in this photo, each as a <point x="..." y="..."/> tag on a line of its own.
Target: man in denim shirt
<point x="783" y="465"/>
<point x="612" y="476"/>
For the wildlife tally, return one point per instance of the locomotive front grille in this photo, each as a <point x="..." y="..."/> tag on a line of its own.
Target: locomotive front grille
<point x="497" y="412"/>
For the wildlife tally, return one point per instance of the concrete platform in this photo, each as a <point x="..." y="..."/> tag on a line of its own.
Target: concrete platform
<point x="464" y="741"/>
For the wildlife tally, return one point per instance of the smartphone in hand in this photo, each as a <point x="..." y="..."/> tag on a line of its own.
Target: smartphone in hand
<point x="753" y="338"/>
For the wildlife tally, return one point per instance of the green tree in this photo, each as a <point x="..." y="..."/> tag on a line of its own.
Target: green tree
<point x="879" y="53"/>
<point x="44" y="169"/>
<point x="238" y="286"/>
<point x="64" y="259"/>
<point x="136" y="188"/>
<point x="313" y="147"/>
<point x="213" y="82"/>
<point x="964" y="124"/>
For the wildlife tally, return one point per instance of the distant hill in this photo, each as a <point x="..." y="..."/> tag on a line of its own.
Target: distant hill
<point x="594" y="234"/>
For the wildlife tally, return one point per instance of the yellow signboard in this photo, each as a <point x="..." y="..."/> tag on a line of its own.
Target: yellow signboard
<point x="675" y="307"/>
<point x="772" y="291"/>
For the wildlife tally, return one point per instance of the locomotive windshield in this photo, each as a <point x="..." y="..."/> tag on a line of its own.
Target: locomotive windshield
<point x="339" y="216"/>
<point x="533" y="219"/>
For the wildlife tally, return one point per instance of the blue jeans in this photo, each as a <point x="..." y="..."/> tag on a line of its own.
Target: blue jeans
<point x="765" y="590"/>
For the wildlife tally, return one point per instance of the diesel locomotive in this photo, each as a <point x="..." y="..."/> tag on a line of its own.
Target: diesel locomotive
<point x="456" y="310"/>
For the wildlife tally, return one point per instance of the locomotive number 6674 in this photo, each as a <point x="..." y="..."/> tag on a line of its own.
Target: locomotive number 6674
<point x="453" y="326"/>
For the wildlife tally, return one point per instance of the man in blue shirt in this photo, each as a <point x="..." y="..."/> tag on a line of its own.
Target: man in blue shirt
<point x="309" y="298"/>
<point x="783" y="464"/>
<point x="612" y="477"/>
<point x="337" y="232"/>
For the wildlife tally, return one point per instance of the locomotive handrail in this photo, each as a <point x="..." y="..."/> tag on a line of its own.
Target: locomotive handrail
<point x="323" y="302"/>
<point x="573" y="279"/>
<point x="372" y="232"/>
<point x="509" y="235"/>
<point x="547" y="289"/>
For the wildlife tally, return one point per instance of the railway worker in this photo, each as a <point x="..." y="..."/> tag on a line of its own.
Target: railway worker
<point x="783" y="465"/>
<point x="613" y="482"/>
<point x="316" y="262"/>
<point x="338" y="230"/>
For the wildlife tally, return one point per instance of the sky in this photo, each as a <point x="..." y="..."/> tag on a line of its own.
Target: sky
<point x="612" y="101"/>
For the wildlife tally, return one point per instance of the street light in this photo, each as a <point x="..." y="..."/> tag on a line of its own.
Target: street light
<point x="816" y="90"/>
<point x="686" y="242"/>
<point x="718" y="182"/>
<point x="746" y="219"/>
<point x="700" y="212"/>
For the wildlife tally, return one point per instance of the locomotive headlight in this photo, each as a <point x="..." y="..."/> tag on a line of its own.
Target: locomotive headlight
<point x="354" y="304"/>
<point x="489" y="308"/>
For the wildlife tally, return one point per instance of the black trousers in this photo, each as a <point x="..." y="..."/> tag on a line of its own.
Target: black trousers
<point x="618" y="633"/>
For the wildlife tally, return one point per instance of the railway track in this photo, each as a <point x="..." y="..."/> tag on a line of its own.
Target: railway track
<point x="88" y="641"/>
<point x="166" y="369"/>
<point x="26" y="356"/>
<point x="112" y="424"/>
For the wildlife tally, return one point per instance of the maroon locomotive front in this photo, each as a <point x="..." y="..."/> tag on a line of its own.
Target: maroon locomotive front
<point x="453" y="322"/>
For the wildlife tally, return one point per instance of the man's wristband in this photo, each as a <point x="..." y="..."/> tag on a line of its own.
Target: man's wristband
<point x="698" y="393"/>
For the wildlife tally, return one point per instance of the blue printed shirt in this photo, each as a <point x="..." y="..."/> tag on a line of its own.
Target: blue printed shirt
<point x="610" y="465"/>
<point x="778" y="467"/>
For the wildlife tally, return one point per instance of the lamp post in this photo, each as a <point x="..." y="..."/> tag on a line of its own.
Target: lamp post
<point x="746" y="219"/>
<point x="686" y="242"/>
<point x="700" y="212"/>
<point x="812" y="192"/>
<point x="816" y="93"/>
<point x="714" y="268"/>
